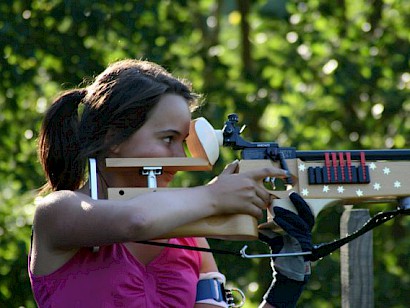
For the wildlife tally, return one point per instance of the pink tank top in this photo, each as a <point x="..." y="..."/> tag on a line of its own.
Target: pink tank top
<point x="113" y="277"/>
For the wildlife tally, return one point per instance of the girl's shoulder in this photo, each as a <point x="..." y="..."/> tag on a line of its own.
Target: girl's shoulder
<point x="57" y="200"/>
<point x="57" y="197"/>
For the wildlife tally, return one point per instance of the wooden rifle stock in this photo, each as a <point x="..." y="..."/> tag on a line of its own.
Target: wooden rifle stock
<point x="233" y="227"/>
<point x="372" y="180"/>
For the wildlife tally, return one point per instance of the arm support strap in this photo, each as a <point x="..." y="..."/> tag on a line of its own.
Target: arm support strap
<point x="210" y="289"/>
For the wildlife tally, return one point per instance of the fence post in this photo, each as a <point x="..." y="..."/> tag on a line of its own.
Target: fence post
<point x="356" y="261"/>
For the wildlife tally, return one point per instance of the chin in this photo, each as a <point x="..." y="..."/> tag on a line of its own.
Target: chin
<point x="165" y="179"/>
<point x="163" y="184"/>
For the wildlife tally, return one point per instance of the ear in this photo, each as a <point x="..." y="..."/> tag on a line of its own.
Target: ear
<point x="115" y="149"/>
<point x="109" y="137"/>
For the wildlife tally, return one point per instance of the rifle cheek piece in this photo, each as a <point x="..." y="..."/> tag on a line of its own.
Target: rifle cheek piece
<point x="203" y="140"/>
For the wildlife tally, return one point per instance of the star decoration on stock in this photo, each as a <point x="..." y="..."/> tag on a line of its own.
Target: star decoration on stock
<point x="305" y="192"/>
<point x="359" y="193"/>
<point x="397" y="184"/>
<point x="327" y="188"/>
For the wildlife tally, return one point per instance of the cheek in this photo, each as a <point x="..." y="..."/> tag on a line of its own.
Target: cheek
<point x="149" y="150"/>
<point x="179" y="150"/>
<point x="138" y="145"/>
<point x="153" y="149"/>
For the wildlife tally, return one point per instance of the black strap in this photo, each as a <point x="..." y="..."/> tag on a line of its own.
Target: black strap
<point x="320" y="250"/>
<point x="324" y="249"/>
<point x="211" y="250"/>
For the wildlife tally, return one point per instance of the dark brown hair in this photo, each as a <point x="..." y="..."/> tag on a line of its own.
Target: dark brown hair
<point x="117" y="102"/>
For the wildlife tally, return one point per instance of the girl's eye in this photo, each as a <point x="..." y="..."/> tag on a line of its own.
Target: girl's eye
<point x="167" y="139"/>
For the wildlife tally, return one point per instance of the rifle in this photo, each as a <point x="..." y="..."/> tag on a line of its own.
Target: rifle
<point x="327" y="178"/>
<point x="323" y="178"/>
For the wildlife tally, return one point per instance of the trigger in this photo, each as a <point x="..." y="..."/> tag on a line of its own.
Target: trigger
<point x="271" y="182"/>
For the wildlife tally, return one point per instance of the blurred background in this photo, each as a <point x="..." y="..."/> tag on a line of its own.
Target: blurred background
<point x="310" y="74"/>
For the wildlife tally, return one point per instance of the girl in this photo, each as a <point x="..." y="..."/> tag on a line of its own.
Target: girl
<point x="132" y="109"/>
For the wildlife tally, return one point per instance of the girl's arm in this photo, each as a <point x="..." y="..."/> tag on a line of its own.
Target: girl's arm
<point x="67" y="220"/>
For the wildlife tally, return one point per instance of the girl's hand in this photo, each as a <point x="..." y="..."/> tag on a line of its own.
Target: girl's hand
<point x="242" y="193"/>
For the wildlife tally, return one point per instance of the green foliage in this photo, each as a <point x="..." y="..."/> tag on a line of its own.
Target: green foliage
<point x="311" y="74"/>
<point x="15" y="228"/>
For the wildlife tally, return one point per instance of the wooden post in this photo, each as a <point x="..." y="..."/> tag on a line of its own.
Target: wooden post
<point x="356" y="261"/>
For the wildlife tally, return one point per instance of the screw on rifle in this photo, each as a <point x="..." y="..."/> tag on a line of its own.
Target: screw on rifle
<point x="233" y="117"/>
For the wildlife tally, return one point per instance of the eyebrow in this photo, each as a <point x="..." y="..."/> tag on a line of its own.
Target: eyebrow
<point x="169" y="131"/>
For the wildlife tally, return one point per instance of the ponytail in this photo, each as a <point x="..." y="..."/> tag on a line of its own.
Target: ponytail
<point x="59" y="144"/>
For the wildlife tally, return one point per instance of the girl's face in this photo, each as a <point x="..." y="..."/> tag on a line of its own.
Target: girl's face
<point x="162" y="135"/>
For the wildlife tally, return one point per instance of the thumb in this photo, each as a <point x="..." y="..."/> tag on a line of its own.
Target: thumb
<point x="231" y="168"/>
